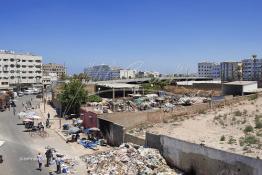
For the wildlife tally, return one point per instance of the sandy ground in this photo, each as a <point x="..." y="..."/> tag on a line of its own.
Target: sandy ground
<point x="208" y="128"/>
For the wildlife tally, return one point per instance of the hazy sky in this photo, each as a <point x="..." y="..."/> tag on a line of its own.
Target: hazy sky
<point x="161" y="35"/>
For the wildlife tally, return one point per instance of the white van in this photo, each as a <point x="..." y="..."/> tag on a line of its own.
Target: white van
<point x="28" y="92"/>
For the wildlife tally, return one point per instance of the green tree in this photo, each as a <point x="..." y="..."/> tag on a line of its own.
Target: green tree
<point x="81" y="76"/>
<point x="94" y="98"/>
<point x="63" y="77"/>
<point x="72" y="96"/>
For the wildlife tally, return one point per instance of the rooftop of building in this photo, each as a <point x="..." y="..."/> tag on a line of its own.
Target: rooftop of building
<point x="16" y="53"/>
<point x="54" y="64"/>
<point x="91" y="109"/>
<point x="240" y="83"/>
<point x="118" y="85"/>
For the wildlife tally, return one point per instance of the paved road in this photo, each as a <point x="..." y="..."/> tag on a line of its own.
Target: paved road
<point x="16" y="151"/>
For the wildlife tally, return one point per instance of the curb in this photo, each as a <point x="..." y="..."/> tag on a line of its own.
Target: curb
<point x="60" y="134"/>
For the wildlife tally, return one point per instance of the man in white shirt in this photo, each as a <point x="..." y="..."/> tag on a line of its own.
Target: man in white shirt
<point x="40" y="159"/>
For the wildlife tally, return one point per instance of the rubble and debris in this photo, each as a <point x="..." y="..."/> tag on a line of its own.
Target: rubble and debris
<point x="128" y="159"/>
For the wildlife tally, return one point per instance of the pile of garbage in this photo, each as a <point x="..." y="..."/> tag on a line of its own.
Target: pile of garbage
<point x="128" y="159"/>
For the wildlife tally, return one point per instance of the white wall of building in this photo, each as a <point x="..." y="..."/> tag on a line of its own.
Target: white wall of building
<point x="250" y="87"/>
<point x="19" y="69"/>
<point x="127" y="73"/>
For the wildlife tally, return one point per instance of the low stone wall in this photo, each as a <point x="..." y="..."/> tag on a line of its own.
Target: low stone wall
<point x="201" y="160"/>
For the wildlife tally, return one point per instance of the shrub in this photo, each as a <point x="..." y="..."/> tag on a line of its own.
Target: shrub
<point x="252" y="97"/>
<point x="221" y="122"/>
<point x="259" y="133"/>
<point x="231" y="140"/>
<point x="244" y="121"/>
<point x="222" y="138"/>
<point x="248" y="128"/>
<point x="237" y="113"/>
<point x="94" y="98"/>
<point x="258" y="122"/>
<point x="217" y="117"/>
<point x="165" y="121"/>
<point x="245" y="112"/>
<point x="202" y="111"/>
<point x="248" y="140"/>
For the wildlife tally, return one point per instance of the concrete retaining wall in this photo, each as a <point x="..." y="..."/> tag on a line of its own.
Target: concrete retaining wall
<point x="112" y="132"/>
<point x="134" y="139"/>
<point x="202" y="160"/>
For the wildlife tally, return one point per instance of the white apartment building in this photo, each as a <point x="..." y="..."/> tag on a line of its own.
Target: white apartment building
<point x="127" y="73"/>
<point x="207" y="69"/>
<point x="58" y="69"/>
<point x="231" y="71"/>
<point x="19" y="69"/>
<point x="252" y="69"/>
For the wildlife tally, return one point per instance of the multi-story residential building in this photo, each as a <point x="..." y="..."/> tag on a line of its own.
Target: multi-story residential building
<point x="127" y="73"/>
<point x="58" y="69"/>
<point x="205" y="69"/>
<point x="19" y="69"/>
<point x="50" y="79"/>
<point x="231" y="71"/>
<point x="252" y="69"/>
<point x="147" y="74"/>
<point x="102" y="72"/>
<point x="215" y="72"/>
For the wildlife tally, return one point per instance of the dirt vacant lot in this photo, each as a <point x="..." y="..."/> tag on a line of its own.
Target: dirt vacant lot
<point x="236" y="128"/>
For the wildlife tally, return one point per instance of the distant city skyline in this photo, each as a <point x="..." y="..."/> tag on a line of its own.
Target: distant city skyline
<point x="165" y="36"/>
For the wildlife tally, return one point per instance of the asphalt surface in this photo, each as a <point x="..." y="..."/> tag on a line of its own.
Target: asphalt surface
<point x="19" y="158"/>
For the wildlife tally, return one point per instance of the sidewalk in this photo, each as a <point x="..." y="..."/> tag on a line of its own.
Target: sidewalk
<point x="57" y="139"/>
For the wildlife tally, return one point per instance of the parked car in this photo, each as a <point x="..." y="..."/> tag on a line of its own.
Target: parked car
<point x="28" y="92"/>
<point x="39" y="96"/>
<point x="20" y="94"/>
<point x="2" y="109"/>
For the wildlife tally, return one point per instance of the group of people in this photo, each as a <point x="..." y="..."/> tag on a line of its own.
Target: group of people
<point x="50" y="158"/>
<point x="28" y="104"/>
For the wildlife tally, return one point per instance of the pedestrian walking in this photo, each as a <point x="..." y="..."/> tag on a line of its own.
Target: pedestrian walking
<point x="58" y="165"/>
<point x="48" y="155"/>
<point x="14" y="110"/>
<point x="47" y="123"/>
<point x="40" y="159"/>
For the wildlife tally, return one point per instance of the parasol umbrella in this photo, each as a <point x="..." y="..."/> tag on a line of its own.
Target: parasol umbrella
<point x="79" y="121"/>
<point x="94" y="129"/>
<point x="27" y="120"/>
<point x="30" y="113"/>
<point x="21" y="114"/>
<point x="33" y="117"/>
<point x="73" y="130"/>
